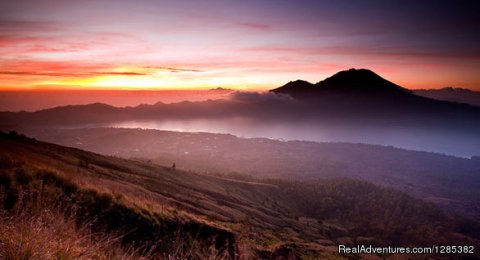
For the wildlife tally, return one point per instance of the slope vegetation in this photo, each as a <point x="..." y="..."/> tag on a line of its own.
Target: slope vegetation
<point x="150" y="208"/>
<point x="448" y="181"/>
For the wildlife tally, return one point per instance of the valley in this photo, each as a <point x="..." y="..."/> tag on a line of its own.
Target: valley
<point x="258" y="218"/>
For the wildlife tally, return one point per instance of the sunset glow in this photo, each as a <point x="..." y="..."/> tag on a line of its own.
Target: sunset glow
<point x="156" y="45"/>
<point x="239" y="129"/>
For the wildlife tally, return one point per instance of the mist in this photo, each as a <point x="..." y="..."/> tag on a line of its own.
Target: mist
<point x="411" y="138"/>
<point x="43" y="99"/>
<point x="415" y="123"/>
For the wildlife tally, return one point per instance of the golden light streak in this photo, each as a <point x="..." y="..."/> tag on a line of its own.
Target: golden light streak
<point x="146" y="79"/>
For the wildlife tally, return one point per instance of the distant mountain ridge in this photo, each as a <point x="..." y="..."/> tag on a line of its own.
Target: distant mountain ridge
<point x="355" y="95"/>
<point x="452" y="94"/>
<point x="353" y="106"/>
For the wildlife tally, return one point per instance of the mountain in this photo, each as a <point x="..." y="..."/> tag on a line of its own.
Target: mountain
<point x="363" y="96"/>
<point x="161" y="211"/>
<point x="297" y="87"/>
<point x="359" y="96"/>
<point x="351" y="106"/>
<point x="460" y="95"/>
<point x="353" y="81"/>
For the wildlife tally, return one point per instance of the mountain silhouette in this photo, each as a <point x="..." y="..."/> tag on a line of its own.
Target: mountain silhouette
<point x="452" y="94"/>
<point x="355" y="98"/>
<point x="352" y="81"/>
<point x="364" y="90"/>
<point x="295" y="87"/>
<point x="361" y="95"/>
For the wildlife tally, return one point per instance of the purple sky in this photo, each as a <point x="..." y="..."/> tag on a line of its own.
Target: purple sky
<point x="151" y="44"/>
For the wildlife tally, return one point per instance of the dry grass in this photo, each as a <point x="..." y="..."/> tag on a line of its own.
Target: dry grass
<point x="49" y="235"/>
<point x="39" y="229"/>
<point x="39" y="219"/>
<point x="130" y="209"/>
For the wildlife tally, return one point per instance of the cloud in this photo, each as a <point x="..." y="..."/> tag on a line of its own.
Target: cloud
<point x="71" y="74"/>
<point x="256" y="26"/>
<point x="80" y="69"/>
<point x="46" y="66"/>
<point x="100" y="42"/>
<point x="371" y="50"/>
<point x="247" y="96"/>
<point x="70" y="69"/>
<point x="15" y="26"/>
<point x="41" y="44"/>
<point x="23" y="39"/>
<point x="172" y="69"/>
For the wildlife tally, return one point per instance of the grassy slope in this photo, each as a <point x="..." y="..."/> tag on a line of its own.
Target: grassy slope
<point x="241" y="217"/>
<point x="33" y="172"/>
<point x="447" y="181"/>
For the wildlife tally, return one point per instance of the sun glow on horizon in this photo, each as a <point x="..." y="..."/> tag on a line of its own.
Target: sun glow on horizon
<point x="244" y="45"/>
<point x="144" y="82"/>
<point x="52" y="76"/>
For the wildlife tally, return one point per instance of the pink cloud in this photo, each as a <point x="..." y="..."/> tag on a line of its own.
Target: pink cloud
<point x="364" y="50"/>
<point x="256" y="26"/>
<point x="173" y="69"/>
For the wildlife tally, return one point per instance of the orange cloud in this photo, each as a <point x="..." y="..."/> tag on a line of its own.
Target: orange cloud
<point x="370" y="51"/>
<point x="172" y="69"/>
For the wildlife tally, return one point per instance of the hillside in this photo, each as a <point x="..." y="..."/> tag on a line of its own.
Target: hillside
<point x="448" y="181"/>
<point x="145" y="203"/>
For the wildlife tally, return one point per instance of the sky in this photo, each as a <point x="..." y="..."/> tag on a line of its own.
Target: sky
<point x="245" y="45"/>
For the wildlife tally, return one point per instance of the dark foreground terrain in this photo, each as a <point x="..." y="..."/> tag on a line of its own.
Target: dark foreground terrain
<point x="93" y="206"/>
<point x="447" y="181"/>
